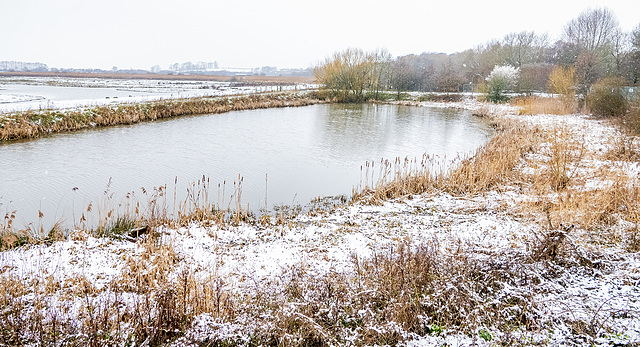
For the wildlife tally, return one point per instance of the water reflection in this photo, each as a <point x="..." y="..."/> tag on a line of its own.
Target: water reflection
<point x="306" y="152"/>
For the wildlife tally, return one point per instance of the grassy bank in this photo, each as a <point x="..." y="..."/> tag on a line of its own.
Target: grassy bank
<point x="533" y="240"/>
<point x="36" y="123"/>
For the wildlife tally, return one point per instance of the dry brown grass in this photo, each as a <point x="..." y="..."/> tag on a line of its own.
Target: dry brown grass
<point x="558" y="182"/>
<point x="631" y="121"/>
<point x="624" y="148"/>
<point x="580" y="197"/>
<point x="489" y="167"/>
<point x="493" y="164"/>
<point x="544" y="105"/>
<point x="565" y="152"/>
<point x="415" y="288"/>
<point x="150" y="301"/>
<point x="573" y="192"/>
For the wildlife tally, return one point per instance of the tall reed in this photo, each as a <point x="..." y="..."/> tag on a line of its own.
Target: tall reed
<point x="137" y="213"/>
<point x="490" y="166"/>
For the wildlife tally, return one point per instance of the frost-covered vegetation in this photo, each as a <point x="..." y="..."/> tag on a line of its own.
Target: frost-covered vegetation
<point x="531" y="241"/>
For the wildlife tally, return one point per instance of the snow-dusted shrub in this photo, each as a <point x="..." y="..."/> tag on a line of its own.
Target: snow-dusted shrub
<point x="607" y="99"/>
<point x="500" y="80"/>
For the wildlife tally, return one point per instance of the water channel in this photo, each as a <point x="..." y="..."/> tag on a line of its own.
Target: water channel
<point x="284" y="156"/>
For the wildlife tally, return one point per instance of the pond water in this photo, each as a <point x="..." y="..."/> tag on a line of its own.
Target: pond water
<point x="282" y="156"/>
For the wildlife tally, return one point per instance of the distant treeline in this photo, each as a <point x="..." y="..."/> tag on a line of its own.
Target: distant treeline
<point x="592" y="44"/>
<point x="187" y="68"/>
<point x="22" y="66"/>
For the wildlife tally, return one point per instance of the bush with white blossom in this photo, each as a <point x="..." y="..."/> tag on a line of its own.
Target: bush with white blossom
<point x="500" y="80"/>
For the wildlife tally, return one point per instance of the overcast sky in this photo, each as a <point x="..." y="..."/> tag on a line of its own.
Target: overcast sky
<point x="282" y="33"/>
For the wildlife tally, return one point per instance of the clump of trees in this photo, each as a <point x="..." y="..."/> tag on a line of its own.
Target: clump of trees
<point x="354" y="75"/>
<point x="592" y="47"/>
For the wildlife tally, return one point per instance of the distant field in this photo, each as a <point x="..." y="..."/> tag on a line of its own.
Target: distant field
<point x="249" y="79"/>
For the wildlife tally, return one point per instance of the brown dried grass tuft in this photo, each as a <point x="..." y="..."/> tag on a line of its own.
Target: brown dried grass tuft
<point x="601" y="207"/>
<point x="565" y="152"/>
<point x="623" y="148"/>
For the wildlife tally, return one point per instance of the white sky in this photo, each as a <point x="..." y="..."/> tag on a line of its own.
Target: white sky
<point x="282" y="33"/>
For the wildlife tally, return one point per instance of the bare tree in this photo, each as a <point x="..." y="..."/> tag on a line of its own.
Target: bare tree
<point x="619" y="49"/>
<point x="523" y="48"/>
<point x="402" y="75"/>
<point x="635" y="38"/>
<point x="592" y="30"/>
<point x="380" y="72"/>
<point x="589" y="69"/>
<point x="448" y="78"/>
<point x="562" y="53"/>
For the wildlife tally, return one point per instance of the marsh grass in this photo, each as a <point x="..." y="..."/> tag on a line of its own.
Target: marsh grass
<point x="631" y="120"/>
<point x="623" y="148"/>
<point x="577" y="197"/>
<point x="559" y="181"/>
<point x="491" y="166"/>
<point x="33" y="124"/>
<point x="565" y="152"/>
<point x="545" y="105"/>
<point x="142" y="213"/>
<point x="575" y="192"/>
<point x="11" y="237"/>
<point x="158" y="305"/>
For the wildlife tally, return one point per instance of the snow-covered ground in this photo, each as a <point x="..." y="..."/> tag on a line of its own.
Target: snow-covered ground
<point x="32" y="93"/>
<point x="606" y="296"/>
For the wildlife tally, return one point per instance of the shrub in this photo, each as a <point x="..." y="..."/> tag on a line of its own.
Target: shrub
<point x="500" y="80"/>
<point x="562" y="81"/>
<point x="607" y="99"/>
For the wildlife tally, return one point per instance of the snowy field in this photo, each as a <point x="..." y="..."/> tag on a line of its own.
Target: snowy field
<point x="248" y="258"/>
<point x="33" y="93"/>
